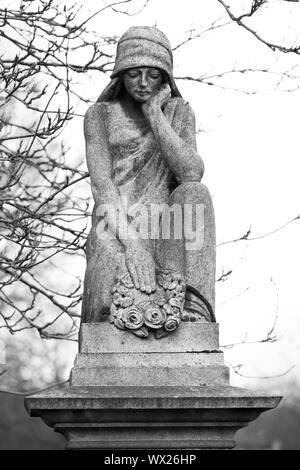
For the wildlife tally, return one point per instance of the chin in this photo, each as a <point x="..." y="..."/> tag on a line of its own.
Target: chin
<point x="139" y="99"/>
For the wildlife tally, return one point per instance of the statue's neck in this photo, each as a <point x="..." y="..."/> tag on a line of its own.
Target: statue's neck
<point x="132" y="108"/>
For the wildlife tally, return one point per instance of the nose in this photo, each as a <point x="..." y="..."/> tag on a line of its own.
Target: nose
<point x="143" y="79"/>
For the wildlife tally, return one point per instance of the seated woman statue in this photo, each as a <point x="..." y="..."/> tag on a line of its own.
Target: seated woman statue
<point x="151" y="249"/>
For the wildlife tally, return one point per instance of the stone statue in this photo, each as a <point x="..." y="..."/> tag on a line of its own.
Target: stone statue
<point x="151" y="249"/>
<point x="150" y="271"/>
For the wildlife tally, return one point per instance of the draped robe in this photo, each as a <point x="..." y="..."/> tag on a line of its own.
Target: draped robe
<point x="142" y="176"/>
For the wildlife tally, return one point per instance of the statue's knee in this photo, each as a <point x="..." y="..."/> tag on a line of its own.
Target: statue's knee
<point x="191" y="191"/>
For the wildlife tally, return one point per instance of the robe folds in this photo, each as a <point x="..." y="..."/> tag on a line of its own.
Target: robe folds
<point x="143" y="178"/>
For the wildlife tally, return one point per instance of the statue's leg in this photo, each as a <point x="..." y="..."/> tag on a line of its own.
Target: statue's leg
<point x="193" y="253"/>
<point x="103" y="263"/>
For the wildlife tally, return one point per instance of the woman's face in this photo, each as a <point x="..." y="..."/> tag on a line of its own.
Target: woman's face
<point x="142" y="82"/>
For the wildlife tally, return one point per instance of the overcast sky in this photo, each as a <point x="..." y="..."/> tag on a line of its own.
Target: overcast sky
<point x="249" y="143"/>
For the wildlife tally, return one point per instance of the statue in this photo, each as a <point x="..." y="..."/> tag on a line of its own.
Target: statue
<point x="151" y="249"/>
<point x="150" y="271"/>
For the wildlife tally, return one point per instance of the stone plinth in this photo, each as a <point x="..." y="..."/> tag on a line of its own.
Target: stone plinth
<point x="190" y="337"/>
<point x="205" y="417"/>
<point x="132" y="393"/>
<point x="111" y="357"/>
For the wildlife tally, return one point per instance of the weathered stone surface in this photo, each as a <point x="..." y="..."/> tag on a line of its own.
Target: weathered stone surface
<point x="190" y="337"/>
<point x="149" y="417"/>
<point x="216" y="397"/>
<point x="143" y="161"/>
<point x="110" y="357"/>
<point x="180" y="359"/>
<point x="148" y="400"/>
<point x="156" y="376"/>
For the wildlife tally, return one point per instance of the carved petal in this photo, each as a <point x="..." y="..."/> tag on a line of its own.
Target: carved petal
<point x="126" y="301"/>
<point x="168" y="309"/>
<point x="172" y="285"/>
<point x="122" y="290"/>
<point x="113" y="310"/>
<point x="142" y="332"/>
<point x="175" y="302"/>
<point x="116" y="298"/>
<point x="119" y="324"/>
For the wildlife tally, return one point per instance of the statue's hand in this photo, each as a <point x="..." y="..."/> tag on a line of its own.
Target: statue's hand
<point x="157" y="101"/>
<point x="141" y="266"/>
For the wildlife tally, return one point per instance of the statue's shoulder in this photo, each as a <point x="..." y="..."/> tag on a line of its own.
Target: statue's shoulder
<point x="179" y="100"/>
<point x="182" y="105"/>
<point x="96" y="111"/>
<point x="95" y="120"/>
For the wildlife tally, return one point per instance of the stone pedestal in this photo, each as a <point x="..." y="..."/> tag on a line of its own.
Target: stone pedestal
<point x="111" y="357"/>
<point x="131" y="393"/>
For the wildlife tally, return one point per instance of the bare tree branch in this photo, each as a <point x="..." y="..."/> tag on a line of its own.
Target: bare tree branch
<point x="256" y="5"/>
<point x="246" y="236"/>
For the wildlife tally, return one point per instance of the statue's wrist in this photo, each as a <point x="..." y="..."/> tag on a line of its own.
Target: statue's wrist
<point x="154" y="111"/>
<point x="151" y="111"/>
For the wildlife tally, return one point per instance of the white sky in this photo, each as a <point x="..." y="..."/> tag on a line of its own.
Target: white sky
<point x="251" y="153"/>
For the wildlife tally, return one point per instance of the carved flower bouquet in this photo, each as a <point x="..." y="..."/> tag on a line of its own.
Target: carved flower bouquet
<point x="141" y="313"/>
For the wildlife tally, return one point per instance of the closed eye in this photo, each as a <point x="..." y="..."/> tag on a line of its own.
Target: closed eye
<point x="154" y="74"/>
<point x="133" y="73"/>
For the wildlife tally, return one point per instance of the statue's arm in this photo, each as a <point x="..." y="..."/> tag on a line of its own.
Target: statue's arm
<point x="98" y="156"/>
<point x="99" y="163"/>
<point x="180" y="151"/>
<point x="138" y="260"/>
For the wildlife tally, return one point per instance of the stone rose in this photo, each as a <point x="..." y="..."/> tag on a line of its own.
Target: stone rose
<point x="155" y="317"/>
<point x="124" y="299"/>
<point x="172" y="323"/>
<point x="133" y="318"/>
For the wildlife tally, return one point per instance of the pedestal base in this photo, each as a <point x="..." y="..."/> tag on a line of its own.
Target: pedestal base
<point x="131" y="393"/>
<point x="111" y="357"/>
<point x="149" y="417"/>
